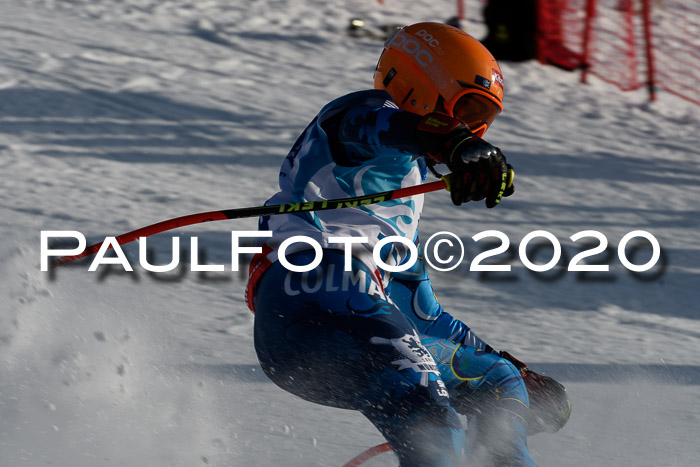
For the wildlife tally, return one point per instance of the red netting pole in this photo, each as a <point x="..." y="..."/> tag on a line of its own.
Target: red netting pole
<point x="631" y="48"/>
<point x="651" y="70"/>
<point x="542" y="30"/>
<point x="460" y="10"/>
<point x="591" y="6"/>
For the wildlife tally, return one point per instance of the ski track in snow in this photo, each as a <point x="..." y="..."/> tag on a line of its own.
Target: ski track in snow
<point x="117" y="114"/>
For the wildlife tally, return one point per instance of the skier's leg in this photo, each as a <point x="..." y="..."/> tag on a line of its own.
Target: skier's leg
<point x="408" y="404"/>
<point x="491" y="392"/>
<point x="355" y="349"/>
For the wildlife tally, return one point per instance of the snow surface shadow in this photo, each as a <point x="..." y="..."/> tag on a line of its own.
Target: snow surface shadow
<point x="583" y="216"/>
<point x="133" y="127"/>
<point x="228" y="35"/>
<point x="214" y="248"/>
<point x="94" y="103"/>
<point x="610" y="167"/>
<point x="167" y="158"/>
<point x="245" y="372"/>
<point x="610" y="373"/>
<point x="686" y="375"/>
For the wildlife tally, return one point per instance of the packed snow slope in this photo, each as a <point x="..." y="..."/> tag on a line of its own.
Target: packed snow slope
<point x="118" y="114"/>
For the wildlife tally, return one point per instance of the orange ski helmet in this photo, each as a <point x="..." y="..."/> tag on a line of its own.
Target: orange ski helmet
<point x="433" y="67"/>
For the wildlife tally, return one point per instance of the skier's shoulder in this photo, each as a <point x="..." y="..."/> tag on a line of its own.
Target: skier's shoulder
<point x="369" y="97"/>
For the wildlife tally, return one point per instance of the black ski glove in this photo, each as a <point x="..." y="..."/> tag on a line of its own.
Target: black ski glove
<point x="479" y="170"/>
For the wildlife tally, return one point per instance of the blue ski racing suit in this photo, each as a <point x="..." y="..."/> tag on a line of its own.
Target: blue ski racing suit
<point x="348" y="334"/>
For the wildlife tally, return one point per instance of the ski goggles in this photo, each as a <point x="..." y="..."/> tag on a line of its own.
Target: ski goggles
<point x="476" y="108"/>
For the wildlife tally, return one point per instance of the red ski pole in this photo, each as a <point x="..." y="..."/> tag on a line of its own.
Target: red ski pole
<point x="257" y="211"/>
<point x="368" y="454"/>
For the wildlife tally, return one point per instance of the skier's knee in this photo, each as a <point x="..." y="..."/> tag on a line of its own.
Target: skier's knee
<point x="504" y="376"/>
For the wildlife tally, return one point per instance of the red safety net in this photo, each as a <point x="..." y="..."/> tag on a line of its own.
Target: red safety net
<point x="560" y="32"/>
<point x="629" y="43"/>
<point x="616" y="43"/>
<point x="675" y="28"/>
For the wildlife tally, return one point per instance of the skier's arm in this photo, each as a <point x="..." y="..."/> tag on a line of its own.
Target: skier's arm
<point x="375" y="128"/>
<point x="413" y="294"/>
<point x="372" y="129"/>
<point x="386" y="126"/>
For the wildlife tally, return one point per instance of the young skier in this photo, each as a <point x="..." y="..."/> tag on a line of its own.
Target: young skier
<point x="353" y="335"/>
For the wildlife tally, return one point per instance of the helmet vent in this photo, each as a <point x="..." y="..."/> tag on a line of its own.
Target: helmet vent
<point x="407" y="96"/>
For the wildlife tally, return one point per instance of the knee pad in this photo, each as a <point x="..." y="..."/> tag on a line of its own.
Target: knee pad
<point x="472" y="368"/>
<point x="473" y="377"/>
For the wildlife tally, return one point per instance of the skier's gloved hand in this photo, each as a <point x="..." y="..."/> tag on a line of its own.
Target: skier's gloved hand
<point x="479" y="170"/>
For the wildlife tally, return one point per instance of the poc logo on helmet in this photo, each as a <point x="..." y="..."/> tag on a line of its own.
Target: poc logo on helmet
<point x="412" y="47"/>
<point x="428" y="38"/>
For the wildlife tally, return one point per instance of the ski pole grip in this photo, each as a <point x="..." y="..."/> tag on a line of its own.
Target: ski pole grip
<point x="447" y="179"/>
